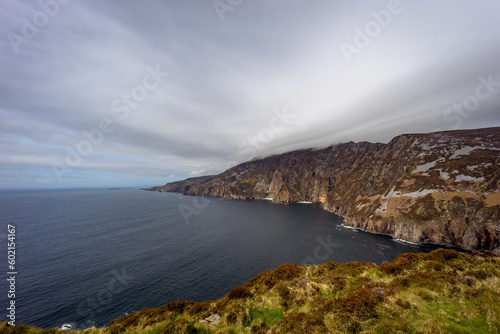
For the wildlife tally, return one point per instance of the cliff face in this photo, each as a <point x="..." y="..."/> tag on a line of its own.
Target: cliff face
<point x="182" y="186"/>
<point x="442" y="187"/>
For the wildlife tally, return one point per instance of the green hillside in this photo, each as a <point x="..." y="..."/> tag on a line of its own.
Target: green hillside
<point x="441" y="292"/>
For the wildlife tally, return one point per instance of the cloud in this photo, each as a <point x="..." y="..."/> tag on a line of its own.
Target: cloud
<point x="225" y="79"/>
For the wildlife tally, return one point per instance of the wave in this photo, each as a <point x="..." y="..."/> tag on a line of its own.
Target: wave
<point x="351" y="227"/>
<point x="407" y="242"/>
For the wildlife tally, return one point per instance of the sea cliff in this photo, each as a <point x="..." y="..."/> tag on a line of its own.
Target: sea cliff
<point x="441" y="188"/>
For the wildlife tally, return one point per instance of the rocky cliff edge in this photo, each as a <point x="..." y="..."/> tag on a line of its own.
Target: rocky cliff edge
<point x="441" y="188"/>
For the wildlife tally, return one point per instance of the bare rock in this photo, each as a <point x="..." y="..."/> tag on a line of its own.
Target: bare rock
<point x="214" y="319"/>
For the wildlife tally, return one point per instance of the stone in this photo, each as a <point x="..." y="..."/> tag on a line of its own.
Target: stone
<point x="214" y="319"/>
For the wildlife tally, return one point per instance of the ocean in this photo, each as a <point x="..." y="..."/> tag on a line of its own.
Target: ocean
<point x="89" y="256"/>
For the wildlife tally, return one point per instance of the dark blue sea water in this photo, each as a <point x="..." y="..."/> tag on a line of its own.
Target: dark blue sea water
<point x="89" y="256"/>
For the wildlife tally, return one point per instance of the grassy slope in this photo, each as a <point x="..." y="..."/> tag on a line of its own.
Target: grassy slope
<point x="440" y="292"/>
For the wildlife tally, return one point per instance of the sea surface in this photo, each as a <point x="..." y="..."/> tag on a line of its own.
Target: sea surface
<point x="87" y="257"/>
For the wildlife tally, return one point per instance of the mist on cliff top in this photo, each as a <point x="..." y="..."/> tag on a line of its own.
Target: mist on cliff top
<point x="123" y="93"/>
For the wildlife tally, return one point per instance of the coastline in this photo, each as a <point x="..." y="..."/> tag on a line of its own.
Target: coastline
<point x="343" y="225"/>
<point x="417" y="187"/>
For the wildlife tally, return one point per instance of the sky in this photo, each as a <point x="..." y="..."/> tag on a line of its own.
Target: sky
<point x="123" y="93"/>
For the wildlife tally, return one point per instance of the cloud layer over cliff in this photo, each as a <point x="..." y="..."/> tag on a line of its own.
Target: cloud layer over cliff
<point x="129" y="93"/>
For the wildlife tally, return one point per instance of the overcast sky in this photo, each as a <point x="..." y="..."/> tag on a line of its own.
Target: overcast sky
<point x="140" y="93"/>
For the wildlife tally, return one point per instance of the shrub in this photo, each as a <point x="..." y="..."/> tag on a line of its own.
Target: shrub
<point x="265" y="279"/>
<point x="306" y="288"/>
<point x="404" y="304"/>
<point x="477" y="293"/>
<point x="260" y="329"/>
<point x="479" y="273"/>
<point x="400" y="282"/>
<point x="326" y="267"/>
<point x="353" y="326"/>
<point x="353" y="268"/>
<point x="116" y="329"/>
<point x="433" y="265"/>
<point x="284" y="292"/>
<point x="197" y="308"/>
<point x="50" y="331"/>
<point x="484" y="254"/>
<point x="177" y="326"/>
<point x="302" y="323"/>
<point x="231" y="318"/>
<point x="149" y="316"/>
<point x="152" y="316"/>
<point x="467" y="280"/>
<point x="425" y="295"/>
<point x="335" y="280"/>
<point x="393" y="325"/>
<point x="361" y="303"/>
<point x="401" y="263"/>
<point x="442" y="254"/>
<point x="117" y="326"/>
<point x="193" y="330"/>
<point x="322" y="304"/>
<point x="239" y="293"/>
<point x="226" y="331"/>
<point x="432" y="280"/>
<point x="246" y="320"/>
<point x="287" y="271"/>
<point x="176" y="307"/>
<point x="17" y="329"/>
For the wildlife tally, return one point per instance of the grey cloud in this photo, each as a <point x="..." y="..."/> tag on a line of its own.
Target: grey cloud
<point x="225" y="79"/>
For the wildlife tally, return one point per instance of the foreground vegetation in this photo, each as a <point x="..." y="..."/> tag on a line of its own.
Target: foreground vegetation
<point x="441" y="292"/>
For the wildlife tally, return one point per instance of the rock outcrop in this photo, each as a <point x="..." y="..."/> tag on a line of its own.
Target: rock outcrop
<point x="182" y="186"/>
<point x="441" y="188"/>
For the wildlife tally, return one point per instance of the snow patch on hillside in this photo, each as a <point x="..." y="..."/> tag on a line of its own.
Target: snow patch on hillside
<point x="425" y="167"/>
<point x="460" y="178"/>
<point x="444" y="175"/>
<point x="416" y="194"/>
<point x="465" y="151"/>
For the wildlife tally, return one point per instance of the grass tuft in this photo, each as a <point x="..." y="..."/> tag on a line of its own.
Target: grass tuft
<point x="266" y="315"/>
